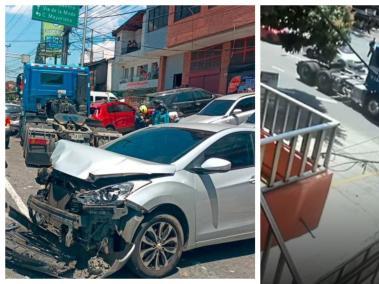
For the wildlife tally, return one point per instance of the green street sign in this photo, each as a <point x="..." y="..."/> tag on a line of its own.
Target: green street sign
<point x="62" y="15"/>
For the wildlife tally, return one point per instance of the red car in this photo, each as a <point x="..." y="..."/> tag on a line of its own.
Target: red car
<point x="114" y="115"/>
<point x="272" y="35"/>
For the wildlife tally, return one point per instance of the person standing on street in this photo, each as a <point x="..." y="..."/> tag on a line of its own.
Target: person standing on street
<point x="372" y="47"/>
<point x="160" y="114"/>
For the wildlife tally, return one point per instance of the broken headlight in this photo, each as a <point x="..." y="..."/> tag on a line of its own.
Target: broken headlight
<point x="110" y="194"/>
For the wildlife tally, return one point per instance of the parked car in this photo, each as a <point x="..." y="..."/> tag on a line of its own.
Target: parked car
<point x="232" y="109"/>
<point x="272" y="35"/>
<point x="183" y="101"/>
<point x="102" y="96"/>
<point x="114" y="115"/>
<point x="250" y="122"/>
<point x="13" y="111"/>
<point x="155" y="193"/>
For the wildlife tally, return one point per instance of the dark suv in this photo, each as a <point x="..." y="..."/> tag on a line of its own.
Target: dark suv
<point x="184" y="101"/>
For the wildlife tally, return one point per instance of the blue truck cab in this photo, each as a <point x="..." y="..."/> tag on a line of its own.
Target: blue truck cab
<point x="44" y="83"/>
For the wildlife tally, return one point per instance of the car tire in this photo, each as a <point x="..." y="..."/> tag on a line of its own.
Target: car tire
<point x="308" y="72"/>
<point x="372" y="107"/>
<point x="324" y="81"/>
<point x="158" y="246"/>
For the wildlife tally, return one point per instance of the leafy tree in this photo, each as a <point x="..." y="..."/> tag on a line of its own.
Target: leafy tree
<point x="324" y="27"/>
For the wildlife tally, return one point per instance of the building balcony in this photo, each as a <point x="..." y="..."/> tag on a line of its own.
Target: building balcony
<point x="130" y="49"/>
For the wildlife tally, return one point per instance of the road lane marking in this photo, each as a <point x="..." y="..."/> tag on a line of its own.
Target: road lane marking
<point x="297" y="57"/>
<point x="340" y="182"/>
<point x="20" y="204"/>
<point x="327" y="100"/>
<point x="277" y="68"/>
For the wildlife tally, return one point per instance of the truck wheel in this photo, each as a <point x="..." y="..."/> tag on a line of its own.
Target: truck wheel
<point x="110" y="127"/>
<point x="308" y="72"/>
<point x="372" y="106"/>
<point x="324" y="81"/>
<point x="158" y="246"/>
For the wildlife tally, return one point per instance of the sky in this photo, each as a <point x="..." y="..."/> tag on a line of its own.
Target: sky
<point x="23" y="34"/>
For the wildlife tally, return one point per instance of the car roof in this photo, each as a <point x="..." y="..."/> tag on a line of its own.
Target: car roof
<point x="234" y="97"/>
<point x="173" y="91"/>
<point x="212" y="127"/>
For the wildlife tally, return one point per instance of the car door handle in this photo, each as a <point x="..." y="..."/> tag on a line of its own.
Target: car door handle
<point x="252" y="180"/>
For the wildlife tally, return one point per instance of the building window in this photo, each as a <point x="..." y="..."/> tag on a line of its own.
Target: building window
<point x="158" y="18"/>
<point x="206" y="59"/>
<point x="243" y="51"/>
<point x="126" y="73"/>
<point x="182" y="12"/>
<point x="210" y="7"/>
<point x="131" y="75"/>
<point x="142" y="72"/>
<point x="118" y="38"/>
<point x="154" y="70"/>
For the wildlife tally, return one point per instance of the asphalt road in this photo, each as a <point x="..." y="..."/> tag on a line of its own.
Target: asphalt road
<point x="232" y="260"/>
<point x="350" y="220"/>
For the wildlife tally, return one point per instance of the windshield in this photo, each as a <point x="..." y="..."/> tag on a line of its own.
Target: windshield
<point x="161" y="145"/>
<point x="164" y="98"/>
<point x="217" y="108"/>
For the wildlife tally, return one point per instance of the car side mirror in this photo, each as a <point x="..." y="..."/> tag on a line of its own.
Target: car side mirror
<point x="214" y="165"/>
<point x="237" y="111"/>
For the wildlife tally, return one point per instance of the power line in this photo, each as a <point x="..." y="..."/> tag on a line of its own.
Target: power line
<point x="15" y="15"/>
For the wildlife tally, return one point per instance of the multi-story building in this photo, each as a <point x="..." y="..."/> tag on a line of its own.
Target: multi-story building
<point x="133" y="71"/>
<point x="211" y="47"/>
<point x="100" y="74"/>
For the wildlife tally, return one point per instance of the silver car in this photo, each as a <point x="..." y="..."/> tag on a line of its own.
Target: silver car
<point x="152" y="194"/>
<point x="232" y="109"/>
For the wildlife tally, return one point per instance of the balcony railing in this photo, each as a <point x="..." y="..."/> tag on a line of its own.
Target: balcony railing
<point x="293" y="130"/>
<point x="130" y="49"/>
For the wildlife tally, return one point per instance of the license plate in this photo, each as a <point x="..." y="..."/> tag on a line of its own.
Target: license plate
<point x="76" y="136"/>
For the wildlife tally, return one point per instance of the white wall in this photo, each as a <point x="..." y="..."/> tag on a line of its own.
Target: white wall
<point x="174" y="65"/>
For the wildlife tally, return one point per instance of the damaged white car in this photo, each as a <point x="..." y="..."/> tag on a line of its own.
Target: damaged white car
<point x="148" y="196"/>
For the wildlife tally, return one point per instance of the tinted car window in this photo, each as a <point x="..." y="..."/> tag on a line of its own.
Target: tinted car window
<point x="183" y="97"/>
<point x="199" y="95"/>
<point x="173" y="144"/>
<point x="217" y="108"/>
<point x="112" y="108"/>
<point x="51" y="79"/>
<point x="124" y="108"/>
<point x="245" y="104"/>
<point x="166" y="99"/>
<point x="237" y="148"/>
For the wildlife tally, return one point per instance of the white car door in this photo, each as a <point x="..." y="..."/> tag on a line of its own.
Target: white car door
<point x="246" y="107"/>
<point x="225" y="201"/>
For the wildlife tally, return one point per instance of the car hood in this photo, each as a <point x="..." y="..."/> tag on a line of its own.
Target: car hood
<point x="88" y="163"/>
<point x="200" y="118"/>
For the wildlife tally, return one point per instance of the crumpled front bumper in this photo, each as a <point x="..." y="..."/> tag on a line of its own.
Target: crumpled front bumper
<point x="37" y="248"/>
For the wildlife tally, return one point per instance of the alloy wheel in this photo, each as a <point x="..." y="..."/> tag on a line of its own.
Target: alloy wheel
<point x="158" y="245"/>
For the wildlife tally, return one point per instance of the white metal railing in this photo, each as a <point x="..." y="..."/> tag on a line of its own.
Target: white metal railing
<point x="292" y="131"/>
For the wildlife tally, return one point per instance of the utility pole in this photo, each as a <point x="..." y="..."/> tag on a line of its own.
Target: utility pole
<point x="91" y="55"/>
<point x="65" y="45"/>
<point x="84" y="35"/>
